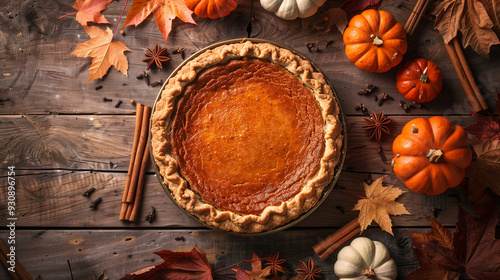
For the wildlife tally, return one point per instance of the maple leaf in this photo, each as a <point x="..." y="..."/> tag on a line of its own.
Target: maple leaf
<point x="354" y="6"/>
<point x="485" y="170"/>
<point x="492" y="7"/>
<point x="90" y="11"/>
<point x="470" y="18"/>
<point x="104" y="52"/>
<point x="164" y="11"/>
<point x="378" y="205"/>
<point x="486" y="127"/>
<point x="257" y="273"/>
<point x="192" y="265"/>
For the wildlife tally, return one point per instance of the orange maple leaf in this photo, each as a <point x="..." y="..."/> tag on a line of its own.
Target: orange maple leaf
<point x="104" y="51"/>
<point x="164" y="11"/>
<point x="90" y="11"/>
<point x="378" y="205"/>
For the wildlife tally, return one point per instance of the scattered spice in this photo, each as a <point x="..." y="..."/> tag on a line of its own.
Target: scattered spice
<point x="132" y="101"/>
<point x="156" y="57"/>
<point x="377" y="124"/>
<point x="151" y="215"/>
<point x="362" y="107"/>
<point x="312" y="47"/>
<point x="140" y="76"/>
<point x="105" y="99"/>
<point x="122" y="32"/>
<point x="328" y="43"/>
<point x="308" y="270"/>
<point x="157" y="83"/>
<point x="118" y="103"/>
<point x="88" y="192"/>
<point x="98" y="87"/>
<point x="93" y="204"/>
<point x="146" y="79"/>
<point x="180" y="238"/>
<point x="179" y="50"/>
<point x="382" y="97"/>
<point x="406" y="106"/>
<point x="381" y="153"/>
<point x="435" y="211"/>
<point x="369" y="88"/>
<point x="275" y="263"/>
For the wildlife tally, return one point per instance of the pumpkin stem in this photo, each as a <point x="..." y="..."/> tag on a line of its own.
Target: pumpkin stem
<point x="434" y="155"/>
<point x="369" y="273"/>
<point x="377" y="41"/>
<point x="424" y="77"/>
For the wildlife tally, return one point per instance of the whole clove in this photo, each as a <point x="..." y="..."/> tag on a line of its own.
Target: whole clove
<point x="180" y="238"/>
<point x="381" y="153"/>
<point x="157" y="83"/>
<point x="369" y="89"/>
<point x="146" y="79"/>
<point x="88" y="192"/>
<point x="312" y="47"/>
<point x="141" y="75"/>
<point x="118" y="103"/>
<point x="406" y="106"/>
<point x="98" y="87"/>
<point x="151" y="215"/>
<point x="179" y="50"/>
<point x="328" y="43"/>
<point x="380" y="98"/>
<point x="93" y="204"/>
<point x="105" y="99"/>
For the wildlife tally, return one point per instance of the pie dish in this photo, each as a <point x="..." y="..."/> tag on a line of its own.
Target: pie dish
<point x="246" y="136"/>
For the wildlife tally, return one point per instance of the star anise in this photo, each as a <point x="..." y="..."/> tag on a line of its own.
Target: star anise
<point x="274" y="262"/>
<point x="308" y="271"/>
<point x="377" y="124"/>
<point x="156" y="57"/>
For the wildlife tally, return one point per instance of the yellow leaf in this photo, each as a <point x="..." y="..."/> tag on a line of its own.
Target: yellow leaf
<point x="104" y="52"/>
<point x="378" y="205"/>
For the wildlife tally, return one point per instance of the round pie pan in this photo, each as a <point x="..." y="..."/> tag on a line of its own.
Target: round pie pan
<point x="327" y="189"/>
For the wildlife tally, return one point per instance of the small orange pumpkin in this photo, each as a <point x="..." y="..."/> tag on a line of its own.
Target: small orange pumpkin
<point x="430" y="155"/>
<point x="375" y="41"/>
<point x="419" y="80"/>
<point x="211" y="8"/>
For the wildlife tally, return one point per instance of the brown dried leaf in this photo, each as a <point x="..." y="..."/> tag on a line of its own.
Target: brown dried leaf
<point x="484" y="171"/>
<point x="470" y="18"/>
<point x="492" y="7"/>
<point x="379" y="204"/>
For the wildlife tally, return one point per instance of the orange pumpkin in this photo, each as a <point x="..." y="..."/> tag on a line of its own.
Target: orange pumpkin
<point x="430" y="155"/>
<point x="375" y="41"/>
<point x="211" y="8"/>
<point x="419" y="80"/>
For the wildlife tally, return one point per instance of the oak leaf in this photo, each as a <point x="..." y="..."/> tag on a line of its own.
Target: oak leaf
<point x="164" y="12"/>
<point x="192" y="265"/>
<point x="470" y="18"/>
<point x="90" y="11"/>
<point x="104" y="52"/>
<point x="486" y="169"/>
<point x="354" y="6"/>
<point x="378" y="205"/>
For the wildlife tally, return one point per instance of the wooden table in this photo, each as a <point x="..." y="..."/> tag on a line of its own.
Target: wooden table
<point x="62" y="139"/>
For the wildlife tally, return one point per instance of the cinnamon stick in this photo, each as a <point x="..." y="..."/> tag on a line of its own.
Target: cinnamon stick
<point x="140" y="186"/>
<point x="416" y="15"/>
<point x="20" y="273"/>
<point x="459" y="69"/>
<point x="140" y="152"/>
<point x="419" y="16"/>
<point x="333" y="241"/>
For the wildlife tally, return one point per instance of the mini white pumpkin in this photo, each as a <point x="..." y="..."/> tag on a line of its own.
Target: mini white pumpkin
<point x="291" y="9"/>
<point x="365" y="259"/>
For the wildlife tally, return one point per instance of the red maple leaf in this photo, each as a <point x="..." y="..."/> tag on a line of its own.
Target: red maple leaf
<point x="164" y="11"/>
<point x="192" y="265"/>
<point x="486" y="127"/>
<point x="90" y="11"/>
<point x="354" y="6"/>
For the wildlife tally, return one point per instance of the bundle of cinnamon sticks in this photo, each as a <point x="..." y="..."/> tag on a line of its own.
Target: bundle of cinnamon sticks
<point x="333" y="241"/>
<point x="17" y="272"/>
<point x="139" y="157"/>
<point x="416" y="16"/>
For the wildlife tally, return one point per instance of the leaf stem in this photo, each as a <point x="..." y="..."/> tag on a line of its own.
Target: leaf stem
<point x="119" y="19"/>
<point x="238" y="263"/>
<point x="63" y="16"/>
<point x="360" y="196"/>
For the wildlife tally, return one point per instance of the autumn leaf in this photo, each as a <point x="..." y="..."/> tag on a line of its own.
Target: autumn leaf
<point x="378" y="205"/>
<point x="485" y="170"/>
<point x="257" y="271"/>
<point x="438" y="233"/>
<point x="354" y="6"/>
<point x="104" y="52"/>
<point x="492" y="7"/>
<point x="470" y="18"/>
<point x="486" y="127"/>
<point x="192" y="265"/>
<point x="90" y="11"/>
<point x="164" y="11"/>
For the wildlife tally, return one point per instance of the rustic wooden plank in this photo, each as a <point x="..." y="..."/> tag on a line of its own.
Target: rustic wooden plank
<point x="118" y="252"/>
<point x="37" y="64"/>
<point x="50" y="199"/>
<point x="96" y="142"/>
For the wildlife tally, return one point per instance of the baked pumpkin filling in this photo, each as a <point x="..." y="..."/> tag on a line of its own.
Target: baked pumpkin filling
<point x="247" y="135"/>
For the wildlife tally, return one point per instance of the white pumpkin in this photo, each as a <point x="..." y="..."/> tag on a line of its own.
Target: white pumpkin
<point x="365" y="259"/>
<point x="291" y="9"/>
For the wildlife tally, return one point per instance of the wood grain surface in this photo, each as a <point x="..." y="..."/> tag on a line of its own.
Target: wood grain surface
<point x="63" y="138"/>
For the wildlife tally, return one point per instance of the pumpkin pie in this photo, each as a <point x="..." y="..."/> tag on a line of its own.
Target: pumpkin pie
<point x="246" y="136"/>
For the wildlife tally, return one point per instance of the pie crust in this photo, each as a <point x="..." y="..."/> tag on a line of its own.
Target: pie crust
<point x="226" y="196"/>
